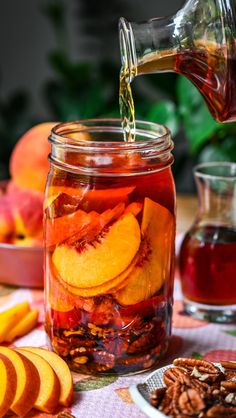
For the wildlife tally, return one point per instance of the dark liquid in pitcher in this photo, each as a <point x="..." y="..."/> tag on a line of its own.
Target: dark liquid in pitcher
<point x="210" y="67"/>
<point x="208" y="265"/>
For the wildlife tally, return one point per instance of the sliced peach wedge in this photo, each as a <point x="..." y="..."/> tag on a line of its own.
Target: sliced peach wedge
<point x="102" y="260"/>
<point x="8" y="384"/>
<point x="26" y="373"/>
<point x="10" y="317"/>
<point x="62" y="371"/>
<point x="49" y="389"/>
<point x="154" y="262"/>
<point x="79" y="224"/>
<point x="89" y="199"/>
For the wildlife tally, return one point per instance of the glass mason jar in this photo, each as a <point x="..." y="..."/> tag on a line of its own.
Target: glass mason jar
<point x="109" y="236"/>
<point x="208" y="253"/>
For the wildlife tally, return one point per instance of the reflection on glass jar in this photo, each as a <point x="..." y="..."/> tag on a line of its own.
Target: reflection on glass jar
<point x="109" y="235"/>
<point x="208" y="252"/>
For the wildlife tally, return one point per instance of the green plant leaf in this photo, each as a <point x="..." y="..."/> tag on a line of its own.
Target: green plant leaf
<point x="94" y="383"/>
<point x="231" y="332"/>
<point x="197" y="355"/>
<point x="224" y="150"/>
<point x="166" y="114"/>
<point x="198" y="123"/>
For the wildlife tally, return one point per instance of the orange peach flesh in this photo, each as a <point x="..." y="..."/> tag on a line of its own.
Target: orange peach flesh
<point x="49" y="390"/>
<point x="106" y="259"/>
<point x="26" y="372"/>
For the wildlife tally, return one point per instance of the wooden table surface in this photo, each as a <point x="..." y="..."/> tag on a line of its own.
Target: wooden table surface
<point x="186" y="211"/>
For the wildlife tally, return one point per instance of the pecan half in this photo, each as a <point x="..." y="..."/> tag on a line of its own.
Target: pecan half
<point x="190" y="402"/>
<point x="228" y="365"/>
<point x="202" y="366"/>
<point x="229" y="385"/>
<point x="220" y="411"/>
<point x="175" y="374"/>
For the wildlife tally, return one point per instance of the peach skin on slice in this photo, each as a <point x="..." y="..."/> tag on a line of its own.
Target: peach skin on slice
<point x="26" y="372"/>
<point x="10" y="317"/>
<point x="98" y="200"/>
<point x="62" y="371"/>
<point x="25" y="325"/>
<point x="102" y="260"/>
<point x="154" y="263"/>
<point x="134" y="208"/>
<point x="49" y="389"/>
<point x="62" y="228"/>
<point x="8" y="384"/>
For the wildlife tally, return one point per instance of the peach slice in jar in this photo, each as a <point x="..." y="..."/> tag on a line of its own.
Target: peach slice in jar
<point x="26" y="373"/>
<point x="102" y="260"/>
<point x="92" y="199"/>
<point x="154" y="264"/>
<point x="78" y="225"/>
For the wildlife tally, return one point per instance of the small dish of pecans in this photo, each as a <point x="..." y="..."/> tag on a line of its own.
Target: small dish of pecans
<point x="189" y="388"/>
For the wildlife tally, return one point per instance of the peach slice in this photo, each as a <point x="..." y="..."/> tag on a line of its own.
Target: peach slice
<point x="155" y="255"/>
<point x="8" y="384"/>
<point x="102" y="260"/>
<point x="98" y="200"/>
<point x="25" y="325"/>
<point x="10" y="317"/>
<point x="108" y="287"/>
<point x="26" y="373"/>
<point x="62" y="371"/>
<point x="49" y="389"/>
<point x="134" y="208"/>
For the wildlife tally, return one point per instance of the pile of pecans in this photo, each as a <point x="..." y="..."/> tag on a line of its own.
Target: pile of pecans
<point x="197" y="388"/>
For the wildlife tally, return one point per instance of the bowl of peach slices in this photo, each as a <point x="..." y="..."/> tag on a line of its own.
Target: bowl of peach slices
<point x="21" y="210"/>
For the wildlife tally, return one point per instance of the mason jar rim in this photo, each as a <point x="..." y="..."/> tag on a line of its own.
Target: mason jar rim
<point x="154" y="135"/>
<point x="201" y="170"/>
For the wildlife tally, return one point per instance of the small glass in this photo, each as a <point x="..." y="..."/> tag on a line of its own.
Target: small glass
<point x="109" y="235"/>
<point x="207" y="259"/>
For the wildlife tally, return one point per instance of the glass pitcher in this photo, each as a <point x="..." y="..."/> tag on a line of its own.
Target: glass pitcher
<point x="207" y="260"/>
<point x="198" y="42"/>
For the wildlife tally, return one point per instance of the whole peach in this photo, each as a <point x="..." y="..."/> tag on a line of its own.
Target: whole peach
<point x="29" y="160"/>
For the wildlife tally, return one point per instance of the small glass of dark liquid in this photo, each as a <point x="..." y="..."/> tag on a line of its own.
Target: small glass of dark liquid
<point x="207" y="259"/>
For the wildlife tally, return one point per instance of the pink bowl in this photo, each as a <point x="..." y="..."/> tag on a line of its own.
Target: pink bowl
<point x="20" y="266"/>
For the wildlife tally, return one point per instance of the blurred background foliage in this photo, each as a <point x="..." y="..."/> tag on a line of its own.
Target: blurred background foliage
<point x="80" y="89"/>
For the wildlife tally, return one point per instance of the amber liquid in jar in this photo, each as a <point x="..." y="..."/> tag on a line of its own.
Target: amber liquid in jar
<point x="109" y="269"/>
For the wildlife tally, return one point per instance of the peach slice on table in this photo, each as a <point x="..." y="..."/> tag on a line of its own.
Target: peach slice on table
<point x="102" y="260"/>
<point x="62" y="371"/>
<point x="26" y="373"/>
<point x="49" y="389"/>
<point x="8" y="384"/>
<point x="10" y="317"/>
<point x="25" y="325"/>
<point x="154" y="263"/>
